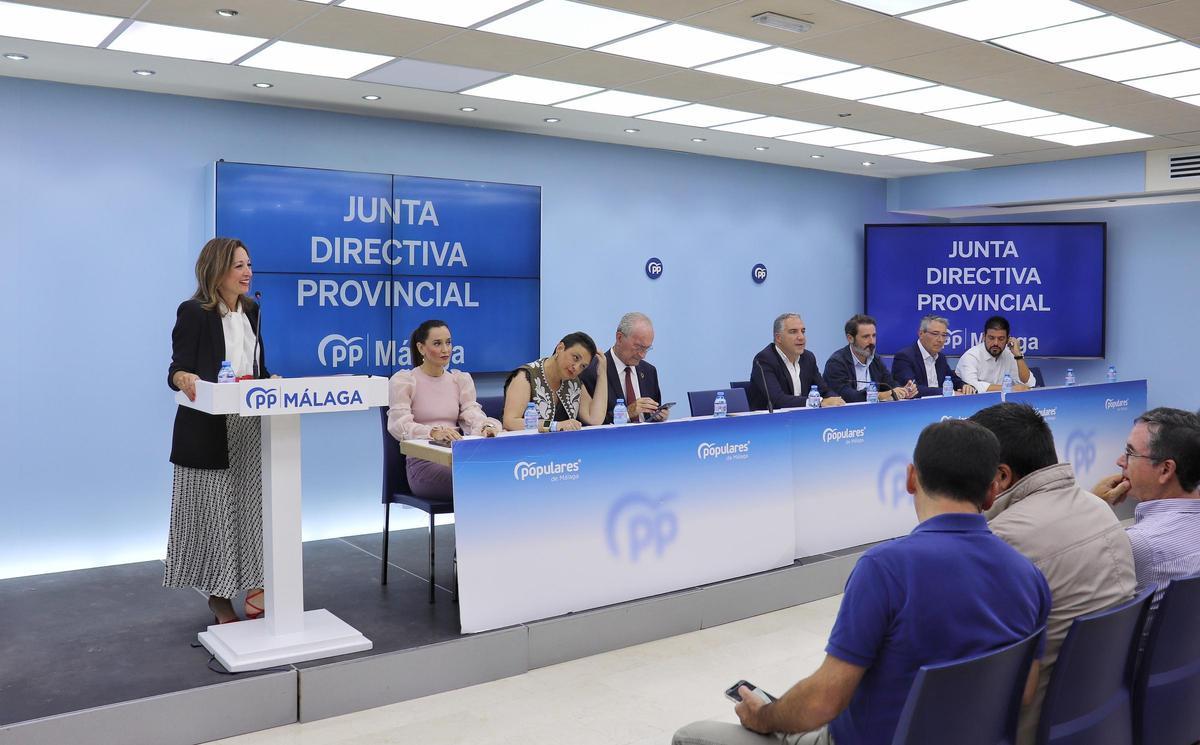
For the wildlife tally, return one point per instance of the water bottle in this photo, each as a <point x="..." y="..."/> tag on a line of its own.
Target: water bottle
<point x="531" y="416"/>
<point x="1111" y="375"/>
<point x="947" y="387"/>
<point x="872" y="393"/>
<point x="814" y="398"/>
<point x="621" y="414"/>
<point x="1006" y="384"/>
<point x="1070" y="377"/>
<point x="720" y="408"/>
<point x="226" y="374"/>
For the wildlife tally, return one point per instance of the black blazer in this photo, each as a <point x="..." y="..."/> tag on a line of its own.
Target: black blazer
<point x="646" y="373"/>
<point x="909" y="364"/>
<point x="779" y="380"/>
<point x="198" y="346"/>
<point x="841" y="375"/>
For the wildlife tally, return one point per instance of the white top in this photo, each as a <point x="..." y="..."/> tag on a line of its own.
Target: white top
<point x="239" y="339"/>
<point x="930" y="366"/>
<point x="793" y="369"/>
<point x="633" y="376"/>
<point x="862" y="371"/>
<point x="979" y="369"/>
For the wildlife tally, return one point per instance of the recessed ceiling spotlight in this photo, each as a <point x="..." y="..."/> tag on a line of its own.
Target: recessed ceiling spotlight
<point x="818" y="157"/>
<point x="468" y="109"/>
<point x="699" y="139"/>
<point x="227" y="12"/>
<point x="143" y="73"/>
<point x="16" y="57"/>
<point x="868" y="163"/>
<point x="264" y="85"/>
<point x="552" y="120"/>
<point x="760" y="148"/>
<point x="631" y="130"/>
<point x="371" y="97"/>
<point x="843" y="116"/>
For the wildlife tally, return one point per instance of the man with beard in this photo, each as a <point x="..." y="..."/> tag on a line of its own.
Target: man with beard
<point x="983" y="366"/>
<point x="851" y="368"/>
<point x="924" y="361"/>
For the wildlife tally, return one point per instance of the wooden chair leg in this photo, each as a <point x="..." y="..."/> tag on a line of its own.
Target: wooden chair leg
<point x="431" y="588"/>
<point x="387" y="513"/>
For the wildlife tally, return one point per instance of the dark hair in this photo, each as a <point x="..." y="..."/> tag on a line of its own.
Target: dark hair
<point x="957" y="459"/>
<point x="1026" y="443"/>
<point x="856" y="320"/>
<point x="420" y="334"/>
<point x="997" y="323"/>
<point x="578" y="337"/>
<point x="1175" y="435"/>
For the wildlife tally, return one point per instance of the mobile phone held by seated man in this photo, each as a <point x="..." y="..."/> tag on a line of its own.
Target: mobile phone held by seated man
<point x="732" y="694"/>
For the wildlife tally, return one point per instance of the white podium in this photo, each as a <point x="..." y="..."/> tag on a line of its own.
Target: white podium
<point x="287" y="633"/>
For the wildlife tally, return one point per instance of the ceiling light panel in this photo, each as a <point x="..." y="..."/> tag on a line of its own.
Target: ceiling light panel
<point x="184" y="43"/>
<point x="306" y="59"/>
<point x="682" y="46"/>
<point x="701" y="115"/>
<point x="525" y="89"/>
<point x="777" y="66"/>
<point x="1173" y="85"/>
<point x="889" y="147"/>
<point x="1047" y="125"/>
<point x="991" y="113"/>
<point x="1089" y="38"/>
<point x="1193" y="100"/>
<point x="1141" y="63"/>
<point x="834" y="137"/>
<point x="942" y="155"/>
<point x="989" y="19"/>
<point x="452" y="12"/>
<point x="1095" y="136"/>
<point x="620" y="103"/>
<point x="48" y="24"/>
<point x="771" y="126"/>
<point x="894" y="7"/>
<point x="570" y="24"/>
<point x="864" y="82"/>
<point x="929" y="99"/>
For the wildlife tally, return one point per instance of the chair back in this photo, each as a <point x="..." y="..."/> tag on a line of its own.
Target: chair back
<point x="1037" y="375"/>
<point x="743" y="384"/>
<point x="493" y="406"/>
<point x="395" y="472"/>
<point x="701" y="402"/>
<point x="974" y="701"/>
<point x="1090" y="697"/>
<point x="1166" y="691"/>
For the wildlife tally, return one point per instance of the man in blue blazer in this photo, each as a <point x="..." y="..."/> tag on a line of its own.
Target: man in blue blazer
<point x="924" y="362"/>
<point x="848" y="370"/>
<point x="630" y="376"/>
<point x="785" y="370"/>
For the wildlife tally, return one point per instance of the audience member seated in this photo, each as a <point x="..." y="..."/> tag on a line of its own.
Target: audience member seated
<point x="630" y="376"/>
<point x="851" y="368"/>
<point x="984" y="365"/>
<point x="787" y="370"/>
<point x="1074" y="538"/>
<point x="948" y="590"/>
<point x="552" y="384"/>
<point x="432" y="402"/>
<point x="923" y="361"/>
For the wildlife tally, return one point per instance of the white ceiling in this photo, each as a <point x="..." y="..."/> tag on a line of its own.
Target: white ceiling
<point x="840" y="30"/>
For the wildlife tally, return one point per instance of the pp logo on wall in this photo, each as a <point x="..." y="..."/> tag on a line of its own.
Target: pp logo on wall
<point x="654" y="267"/>
<point x="759" y="273"/>
<point x="350" y="263"/>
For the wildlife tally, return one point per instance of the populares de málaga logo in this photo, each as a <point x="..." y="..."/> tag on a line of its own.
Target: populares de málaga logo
<point x="531" y="470"/>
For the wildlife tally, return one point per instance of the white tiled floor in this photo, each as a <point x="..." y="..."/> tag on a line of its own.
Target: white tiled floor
<point x="634" y="696"/>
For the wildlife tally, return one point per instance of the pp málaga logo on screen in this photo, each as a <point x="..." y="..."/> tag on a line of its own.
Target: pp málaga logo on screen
<point x="556" y="471"/>
<point x="261" y="398"/>
<point x="640" y="524"/>
<point x="728" y="450"/>
<point x="336" y="350"/>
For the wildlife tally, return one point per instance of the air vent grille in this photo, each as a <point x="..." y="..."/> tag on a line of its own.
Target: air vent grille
<point x="1185" y="166"/>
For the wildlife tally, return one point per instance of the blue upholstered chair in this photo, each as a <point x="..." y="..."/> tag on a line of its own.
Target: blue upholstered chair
<point x="701" y="402"/>
<point x="1166" y="690"/>
<point x="493" y="406"/>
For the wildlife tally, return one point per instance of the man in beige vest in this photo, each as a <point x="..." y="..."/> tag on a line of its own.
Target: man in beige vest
<point x="1074" y="538"/>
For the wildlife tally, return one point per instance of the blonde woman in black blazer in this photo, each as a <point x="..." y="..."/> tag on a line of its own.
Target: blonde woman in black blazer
<point x="215" y="542"/>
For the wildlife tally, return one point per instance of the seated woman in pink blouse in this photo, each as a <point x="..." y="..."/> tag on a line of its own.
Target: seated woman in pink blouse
<point x="431" y="402"/>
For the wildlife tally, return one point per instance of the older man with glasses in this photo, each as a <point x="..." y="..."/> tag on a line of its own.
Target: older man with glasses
<point x="630" y="376"/>
<point x="924" y="363"/>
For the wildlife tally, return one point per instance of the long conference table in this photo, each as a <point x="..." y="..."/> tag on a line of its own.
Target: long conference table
<point x="552" y="524"/>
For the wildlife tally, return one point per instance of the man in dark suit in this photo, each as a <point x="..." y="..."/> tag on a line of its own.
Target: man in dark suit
<point x="924" y="362"/>
<point x="630" y="376"/>
<point x="848" y="370"/>
<point x="785" y="370"/>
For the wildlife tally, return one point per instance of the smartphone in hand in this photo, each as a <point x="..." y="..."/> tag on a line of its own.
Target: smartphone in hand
<point x="731" y="693"/>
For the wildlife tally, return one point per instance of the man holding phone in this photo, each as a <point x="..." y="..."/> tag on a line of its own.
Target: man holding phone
<point x="630" y="376"/>
<point x="950" y="589"/>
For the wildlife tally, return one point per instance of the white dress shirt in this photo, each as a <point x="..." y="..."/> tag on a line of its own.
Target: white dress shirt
<point x="930" y="367"/>
<point x="633" y="376"/>
<point x="862" y="370"/>
<point x="239" y="340"/>
<point x="793" y="369"/>
<point x="979" y="369"/>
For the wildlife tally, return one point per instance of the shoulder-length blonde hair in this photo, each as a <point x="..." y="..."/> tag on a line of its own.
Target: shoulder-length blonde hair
<point x="215" y="260"/>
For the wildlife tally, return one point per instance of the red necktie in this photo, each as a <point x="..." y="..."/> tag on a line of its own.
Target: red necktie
<point x="628" y="388"/>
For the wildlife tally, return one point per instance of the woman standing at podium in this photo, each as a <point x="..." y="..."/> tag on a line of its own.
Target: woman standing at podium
<point x="433" y="402"/>
<point x="216" y="539"/>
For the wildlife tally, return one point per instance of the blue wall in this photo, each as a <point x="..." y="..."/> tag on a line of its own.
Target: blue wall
<point x="103" y="207"/>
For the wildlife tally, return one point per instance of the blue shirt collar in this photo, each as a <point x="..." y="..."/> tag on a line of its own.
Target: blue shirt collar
<point x="954" y="522"/>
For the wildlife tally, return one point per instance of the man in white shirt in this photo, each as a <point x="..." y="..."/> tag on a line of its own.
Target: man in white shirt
<point x="984" y="365"/>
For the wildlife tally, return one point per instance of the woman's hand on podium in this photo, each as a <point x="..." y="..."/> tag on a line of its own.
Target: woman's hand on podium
<point x="186" y="382"/>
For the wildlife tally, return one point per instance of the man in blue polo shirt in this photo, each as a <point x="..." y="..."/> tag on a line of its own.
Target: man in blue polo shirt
<point x="948" y="590"/>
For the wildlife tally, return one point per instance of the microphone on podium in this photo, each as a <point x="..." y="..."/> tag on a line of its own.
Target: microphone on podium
<point x="763" y="374"/>
<point x="257" y="333"/>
